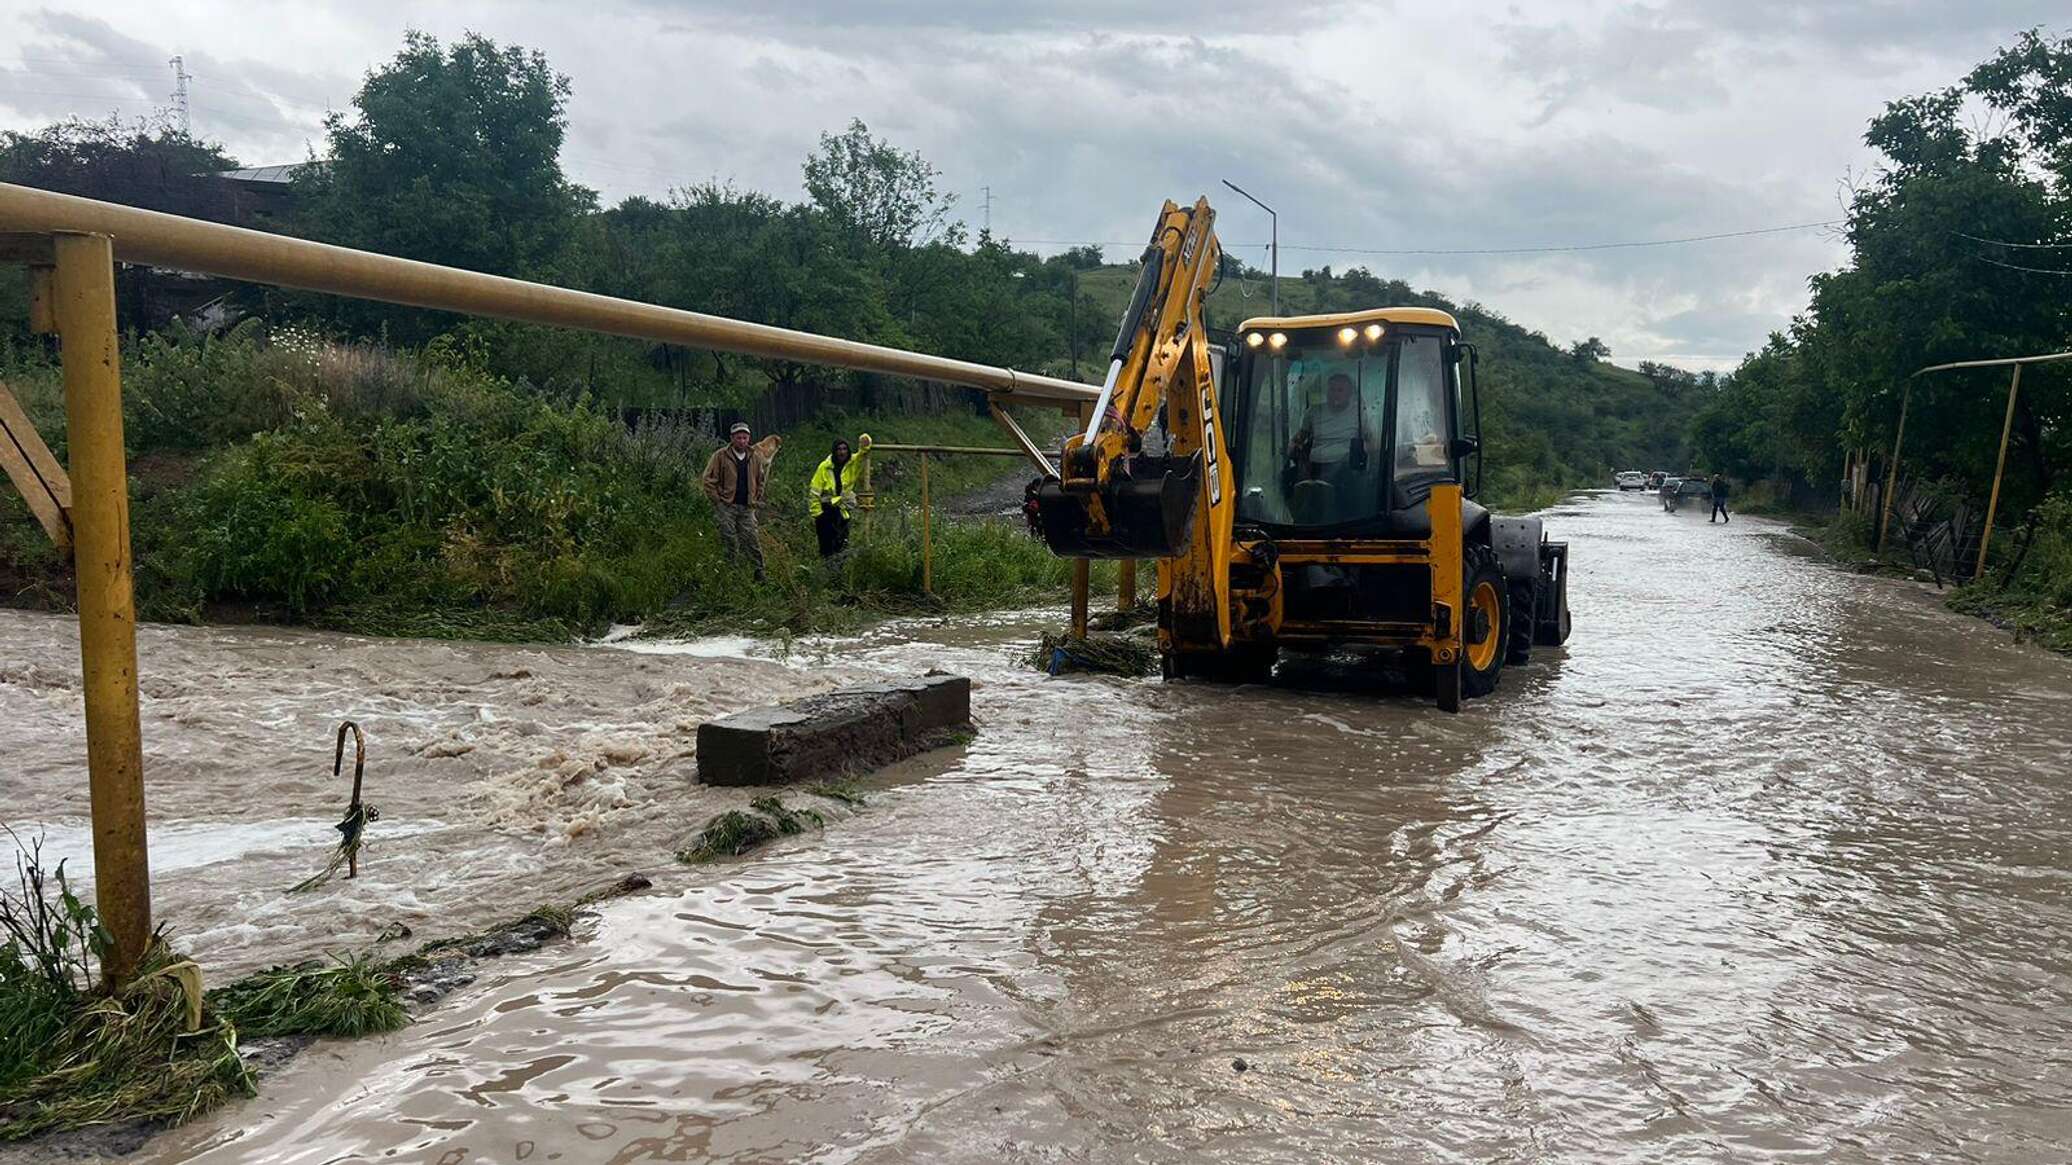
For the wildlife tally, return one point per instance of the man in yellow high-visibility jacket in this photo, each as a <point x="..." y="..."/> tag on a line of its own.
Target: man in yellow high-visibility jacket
<point x="832" y="494"/>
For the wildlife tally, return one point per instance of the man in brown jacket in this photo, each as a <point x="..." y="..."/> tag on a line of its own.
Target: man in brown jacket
<point x="734" y="480"/>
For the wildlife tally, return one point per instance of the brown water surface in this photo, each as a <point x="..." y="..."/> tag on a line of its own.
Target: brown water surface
<point x="1770" y="864"/>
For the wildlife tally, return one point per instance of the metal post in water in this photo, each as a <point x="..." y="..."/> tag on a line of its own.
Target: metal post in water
<point x="1892" y="470"/>
<point x="1985" y="536"/>
<point x="927" y="545"/>
<point x="83" y="309"/>
<point x="1126" y="585"/>
<point x="1082" y="569"/>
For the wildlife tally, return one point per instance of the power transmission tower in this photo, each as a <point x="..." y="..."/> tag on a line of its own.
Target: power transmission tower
<point x="989" y="208"/>
<point x="180" y="78"/>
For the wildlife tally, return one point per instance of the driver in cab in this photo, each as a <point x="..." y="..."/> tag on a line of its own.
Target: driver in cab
<point x="1333" y="438"/>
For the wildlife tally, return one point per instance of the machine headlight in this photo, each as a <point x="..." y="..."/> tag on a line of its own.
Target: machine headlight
<point x="1346" y="336"/>
<point x="1254" y="339"/>
<point x="1373" y="333"/>
<point x="1277" y="341"/>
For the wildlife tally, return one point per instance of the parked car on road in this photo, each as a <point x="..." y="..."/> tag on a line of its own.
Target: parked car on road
<point x="1630" y="479"/>
<point x="1685" y="489"/>
<point x="1656" y="479"/>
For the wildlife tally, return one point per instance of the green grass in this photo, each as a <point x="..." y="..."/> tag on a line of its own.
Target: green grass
<point x="351" y="996"/>
<point x="127" y="1056"/>
<point x="74" y="1054"/>
<point x="735" y="832"/>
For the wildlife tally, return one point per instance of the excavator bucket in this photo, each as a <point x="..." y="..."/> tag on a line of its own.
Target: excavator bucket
<point x="1150" y="515"/>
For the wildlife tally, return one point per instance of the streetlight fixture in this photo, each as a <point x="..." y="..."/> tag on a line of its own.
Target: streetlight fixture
<point x="1274" y="221"/>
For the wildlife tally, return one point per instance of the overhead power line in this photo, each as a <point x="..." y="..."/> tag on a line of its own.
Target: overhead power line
<point x="2019" y="267"/>
<point x="2004" y="243"/>
<point x="1542" y="250"/>
<point x="1535" y="250"/>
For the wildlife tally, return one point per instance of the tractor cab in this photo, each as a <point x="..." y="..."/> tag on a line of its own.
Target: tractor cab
<point x="1339" y="425"/>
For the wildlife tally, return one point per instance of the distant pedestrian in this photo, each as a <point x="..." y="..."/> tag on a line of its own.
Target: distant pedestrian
<point x="735" y="477"/>
<point x="831" y="494"/>
<point x="1719" y="499"/>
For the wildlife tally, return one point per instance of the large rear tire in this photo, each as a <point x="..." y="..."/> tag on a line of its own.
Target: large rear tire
<point x="1486" y="621"/>
<point x="1525" y="599"/>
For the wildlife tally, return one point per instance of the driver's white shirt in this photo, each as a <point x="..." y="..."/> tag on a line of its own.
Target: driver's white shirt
<point x="1331" y="432"/>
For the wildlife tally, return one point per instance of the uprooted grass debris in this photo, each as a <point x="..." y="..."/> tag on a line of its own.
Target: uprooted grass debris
<point x="147" y="1052"/>
<point x="73" y="1054"/>
<point x="1099" y="652"/>
<point x="159" y="1051"/>
<point x="735" y="832"/>
<point x="353" y="995"/>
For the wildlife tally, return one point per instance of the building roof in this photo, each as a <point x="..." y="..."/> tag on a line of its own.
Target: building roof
<point x="277" y="174"/>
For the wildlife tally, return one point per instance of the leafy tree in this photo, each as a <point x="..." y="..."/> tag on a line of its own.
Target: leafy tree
<point x="452" y="157"/>
<point x="1086" y="257"/>
<point x="139" y="163"/>
<point x="886" y="194"/>
<point x="1939" y="272"/>
<point x="1589" y="351"/>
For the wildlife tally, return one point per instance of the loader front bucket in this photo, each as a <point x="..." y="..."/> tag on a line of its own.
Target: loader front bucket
<point x="1150" y="514"/>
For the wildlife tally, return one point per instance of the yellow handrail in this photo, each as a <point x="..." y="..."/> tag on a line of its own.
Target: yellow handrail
<point x="186" y="244"/>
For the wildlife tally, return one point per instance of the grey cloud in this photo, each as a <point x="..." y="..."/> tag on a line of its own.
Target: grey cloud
<point x="245" y="101"/>
<point x="815" y="19"/>
<point x="1638" y="55"/>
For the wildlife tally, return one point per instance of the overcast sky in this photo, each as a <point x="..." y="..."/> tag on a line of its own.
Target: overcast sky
<point x="1369" y="125"/>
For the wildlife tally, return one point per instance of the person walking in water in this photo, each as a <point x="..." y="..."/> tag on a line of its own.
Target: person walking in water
<point x="735" y="477"/>
<point x="832" y="494"/>
<point x="1719" y="499"/>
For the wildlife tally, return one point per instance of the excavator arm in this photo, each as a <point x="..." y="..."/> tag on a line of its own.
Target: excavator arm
<point x="1112" y="498"/>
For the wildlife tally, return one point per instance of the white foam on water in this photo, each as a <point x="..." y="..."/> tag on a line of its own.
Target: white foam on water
<point x="186" y="845"/>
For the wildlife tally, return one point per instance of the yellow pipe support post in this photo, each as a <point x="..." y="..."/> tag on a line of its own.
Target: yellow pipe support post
<point x="83" y="307"/>
<point x="1892" y="470"/>
<point x="927" y="544"/>
<point x="1985" y="536"/>
<point x="1082" y="569"/>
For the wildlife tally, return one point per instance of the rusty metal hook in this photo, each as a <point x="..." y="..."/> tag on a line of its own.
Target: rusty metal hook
<point x="359" y="756"/>
<point x="353" y="820"/>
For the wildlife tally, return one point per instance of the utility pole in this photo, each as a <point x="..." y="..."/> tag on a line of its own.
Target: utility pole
<point x="180" y="79"/>
<point x="989" y="208"/>
<point x="1275" y="261"/>
<point x="1072" y="316"/>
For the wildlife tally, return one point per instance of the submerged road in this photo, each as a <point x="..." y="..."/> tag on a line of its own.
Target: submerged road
<point x="1770" y="864"/>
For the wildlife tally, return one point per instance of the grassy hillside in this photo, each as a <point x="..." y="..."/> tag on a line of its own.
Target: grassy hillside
<point x="1553" y="421"/>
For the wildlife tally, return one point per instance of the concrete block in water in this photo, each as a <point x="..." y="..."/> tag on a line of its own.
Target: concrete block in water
<point x="845" y="731"/>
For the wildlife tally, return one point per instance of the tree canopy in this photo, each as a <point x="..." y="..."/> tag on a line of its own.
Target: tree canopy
<point x="1961" y="249"/>
<point x="452" y="155"/>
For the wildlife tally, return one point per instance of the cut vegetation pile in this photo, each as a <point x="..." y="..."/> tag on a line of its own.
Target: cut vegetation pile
<point x="735" y="832"/>
<point x="1103" y="653"/>
<point x="350" y="996"/>
<point x="156" y="1051"/>
<point x="72" y="1054"/>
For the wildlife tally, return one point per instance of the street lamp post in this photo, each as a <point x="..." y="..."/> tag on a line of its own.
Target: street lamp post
<point x="1274" y="222"/>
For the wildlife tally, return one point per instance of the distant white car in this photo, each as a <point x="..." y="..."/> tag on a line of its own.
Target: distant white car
<point x="1631" y="479"/>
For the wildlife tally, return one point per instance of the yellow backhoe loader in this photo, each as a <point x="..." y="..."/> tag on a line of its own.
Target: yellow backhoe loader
<point x="1305" y="487"/>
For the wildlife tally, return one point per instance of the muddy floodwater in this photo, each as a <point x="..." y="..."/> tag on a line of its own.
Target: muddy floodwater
<point x="1772" y="863"/>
